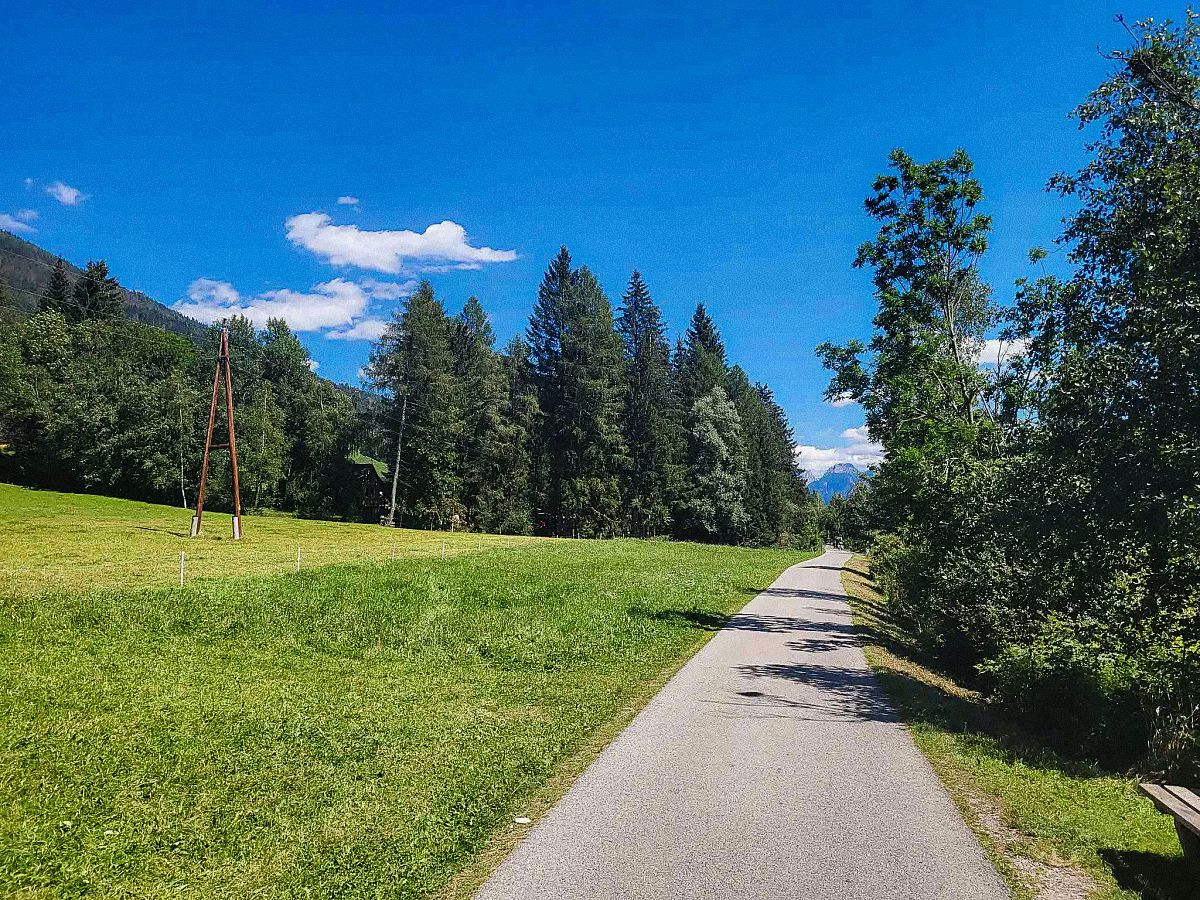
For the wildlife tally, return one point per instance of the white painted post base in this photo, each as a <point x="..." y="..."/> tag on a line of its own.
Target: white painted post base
<point x="237" y="528"/>
<point x="195" y="525"/>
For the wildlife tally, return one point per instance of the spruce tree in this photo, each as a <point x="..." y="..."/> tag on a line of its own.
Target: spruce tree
<point x="510" y="510"/>
<point x="412" y="361"/>
<point x="702" y="366"/>
<point x="96" y="295"/>
<point x="771" y="473"/>
<point x="649" y="430"/>
<point x="57" y="294"/>
<point x="481" y="383"/>
<point x="545" y="337"/>
<point x="576" y="360"/>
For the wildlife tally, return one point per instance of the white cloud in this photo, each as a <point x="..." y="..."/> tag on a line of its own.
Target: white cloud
<point x="443" y="244"/>
<point x="858" y="449"/>
<point x="27" y="215"/>
<point x="996" y="352"/>
<point x="14" y="224"/>
<point x="65" y="194"/>
<point x="856" y="436"/>
<point x="331" y="304"/>
<point x="364" y="330"/>
<point x="842" y="400"/>
<point x="388" y="290"/>
<point x="313" y="365"/>
<point x="347" y="200"/>
<point x="28" y="182"/>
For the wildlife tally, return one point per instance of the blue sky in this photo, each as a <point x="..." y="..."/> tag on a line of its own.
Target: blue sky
<point x="723" y="151"/>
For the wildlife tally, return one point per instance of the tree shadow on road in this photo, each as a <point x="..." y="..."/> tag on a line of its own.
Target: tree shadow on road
<point x="794" y="593"/>
<point x="844" y="692"/>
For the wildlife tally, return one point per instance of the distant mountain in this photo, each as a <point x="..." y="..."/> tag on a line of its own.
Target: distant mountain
<point x="838" y="480"/>
<point x="25" y="268"/>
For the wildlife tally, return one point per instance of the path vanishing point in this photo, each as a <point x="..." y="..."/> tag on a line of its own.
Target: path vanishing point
<point x="770" y="766"/>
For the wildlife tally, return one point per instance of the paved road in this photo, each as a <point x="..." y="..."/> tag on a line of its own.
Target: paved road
<point x="770" y="766"/>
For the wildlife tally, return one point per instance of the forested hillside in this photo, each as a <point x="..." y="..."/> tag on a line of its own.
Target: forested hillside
<point x="26" y="268"/>
<point x="1036" y="521"/>
<point x="590" y="426"/>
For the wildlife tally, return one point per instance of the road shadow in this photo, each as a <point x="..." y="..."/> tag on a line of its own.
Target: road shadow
<point x="795" y="593"/>
<point x="843" y="692"/>
<point x="1152" y="875"/>
<point x="825" y="644"/>
<point x="709" y="621"/>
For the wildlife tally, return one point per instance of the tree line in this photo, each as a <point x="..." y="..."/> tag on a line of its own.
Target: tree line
<point x="1035" y="522"/>
<point x="90" y="401"/>
<point x="590" y="425"/>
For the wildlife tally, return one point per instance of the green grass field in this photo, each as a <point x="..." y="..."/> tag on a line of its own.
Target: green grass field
<point x="357" y="730"/>
<point x="1056" y="828"/>
<point x="50" y="541"/>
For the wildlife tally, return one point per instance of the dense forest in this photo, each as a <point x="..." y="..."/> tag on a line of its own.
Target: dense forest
<point x="589" y="426"/>
<point x="1036" y="520"/>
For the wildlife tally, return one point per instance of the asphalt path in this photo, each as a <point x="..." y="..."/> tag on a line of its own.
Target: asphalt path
<point x="770" y="766"/>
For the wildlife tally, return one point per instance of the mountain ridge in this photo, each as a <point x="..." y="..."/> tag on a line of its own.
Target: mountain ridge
<point x="25" y="267"/>
<point x="837" y="481"/>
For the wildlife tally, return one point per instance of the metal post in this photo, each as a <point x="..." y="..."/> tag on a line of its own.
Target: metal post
<point x="237" y="494"/>
<point x="222" y="367"/>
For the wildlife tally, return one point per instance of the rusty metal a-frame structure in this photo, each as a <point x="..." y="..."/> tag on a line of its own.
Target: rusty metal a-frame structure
<point x="221" y="370"/>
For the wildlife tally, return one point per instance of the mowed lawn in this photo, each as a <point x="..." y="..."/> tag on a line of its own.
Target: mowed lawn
<point x="358" y="730"/>
<point x="50" y="540"/>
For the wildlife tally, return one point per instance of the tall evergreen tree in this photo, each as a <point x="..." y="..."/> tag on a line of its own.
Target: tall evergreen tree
<point x="576" y="360"/>
<point x="773" y="482"/>
<point x="96" y="295"/>
<point x="412" y="361"/>
<point x="702" y="366"/>
<point x="484" y="391"/>
<point x="57" y="294"/>
<point x="649" y="429"/>
<point x="508" y="507"/>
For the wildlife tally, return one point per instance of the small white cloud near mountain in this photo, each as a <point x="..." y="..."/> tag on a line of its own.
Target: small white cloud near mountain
<point x="15" y="224"/>
<point x="441" y="246"/>
<point x="857" y="449"/>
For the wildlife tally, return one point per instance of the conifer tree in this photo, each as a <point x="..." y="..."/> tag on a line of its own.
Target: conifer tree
<point x="412" y="362"/>
<point x="57" y="294"/>
<point x="702" y="366"/>
<point x="481" y="382"/>
<point x="772" y="479"/>
<point x="576" y="358"/>
<point x="649" y="429"/>
<point x="96" y="295"/>
<point x="509" y="509"/>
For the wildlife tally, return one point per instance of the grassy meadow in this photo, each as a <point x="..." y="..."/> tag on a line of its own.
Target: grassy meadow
<point x="50" y="541"/>
<point x="352" y="730"/>
<point x="1057" y="829"/>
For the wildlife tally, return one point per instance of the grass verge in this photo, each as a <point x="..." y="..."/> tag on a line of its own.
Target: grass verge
<point x="350" y="731"/>
<point x="51" y="541"/>
<point x="1057" y="829"/>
